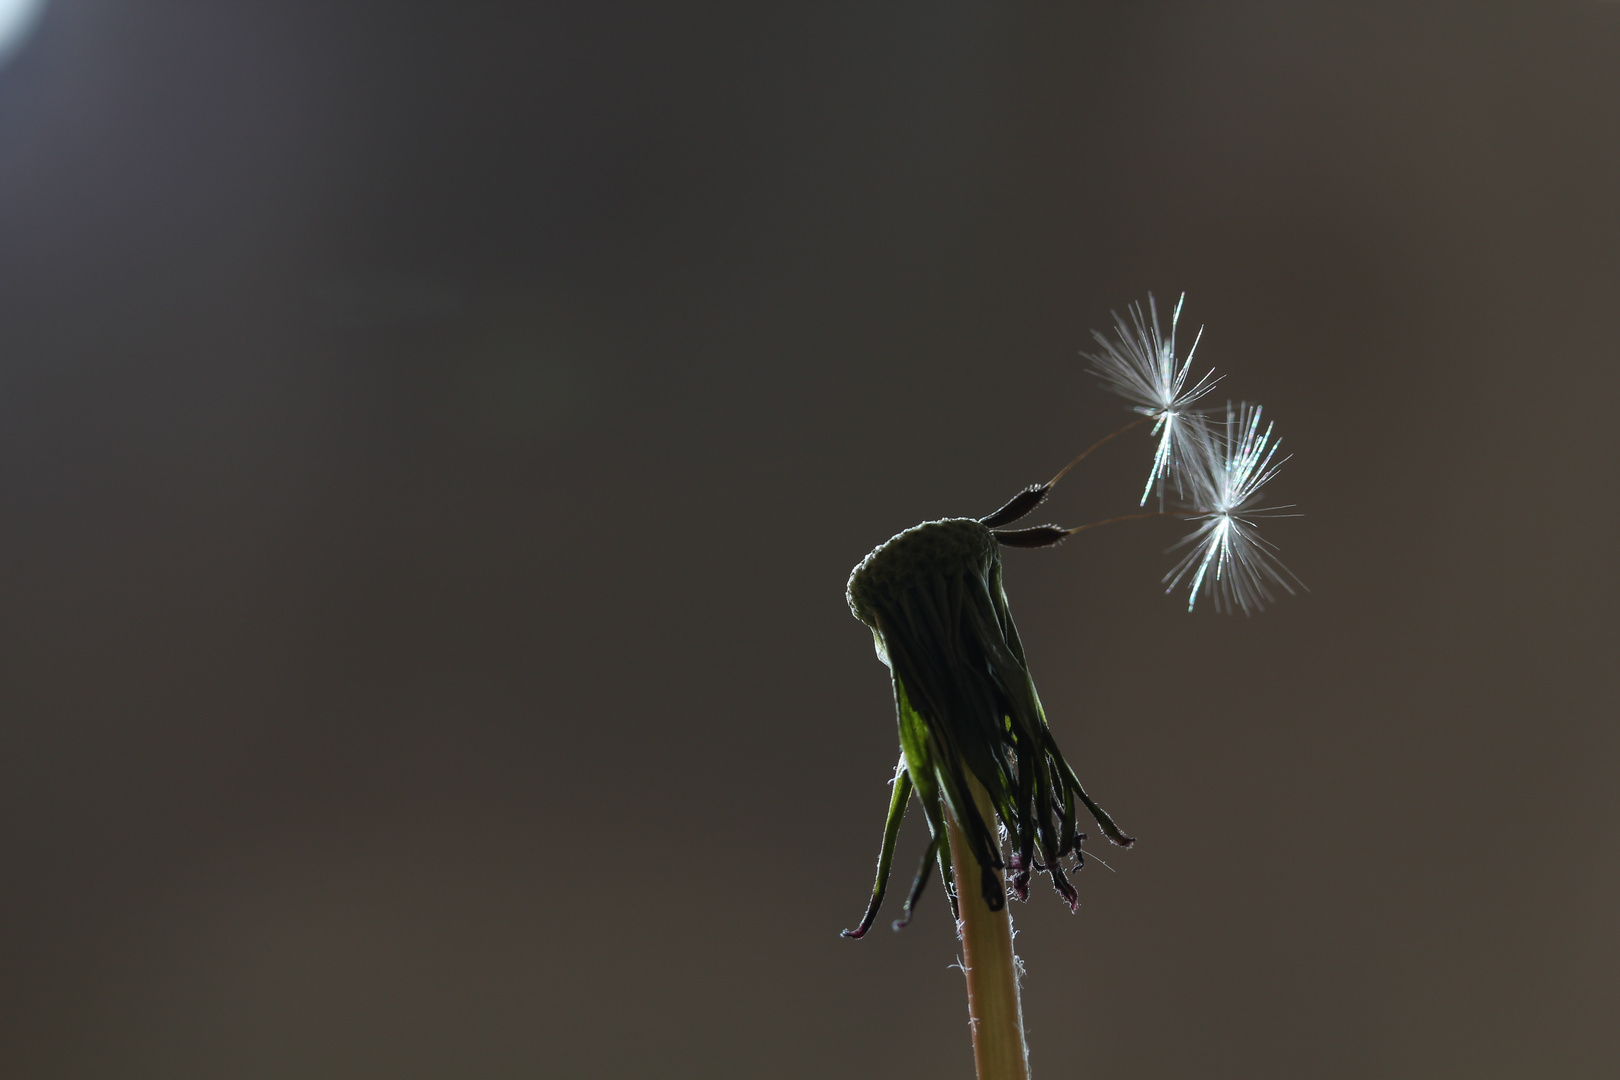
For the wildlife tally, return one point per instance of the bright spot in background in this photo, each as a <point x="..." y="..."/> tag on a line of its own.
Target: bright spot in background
<point x="17" y="17"/>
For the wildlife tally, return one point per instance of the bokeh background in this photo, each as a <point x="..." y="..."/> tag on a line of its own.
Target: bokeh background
<point x="434" y="439"/>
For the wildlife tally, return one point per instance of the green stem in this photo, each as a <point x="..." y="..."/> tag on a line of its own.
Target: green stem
<point x="994" y="1012"/>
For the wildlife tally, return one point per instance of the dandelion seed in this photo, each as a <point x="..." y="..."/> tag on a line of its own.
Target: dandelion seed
<point x="1141" y="368"/>
<point x="1229" y="559"/>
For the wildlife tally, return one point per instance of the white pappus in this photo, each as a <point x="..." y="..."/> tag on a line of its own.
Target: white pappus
<point x="1141" y="367"/>
<point x="1229" y="559"/>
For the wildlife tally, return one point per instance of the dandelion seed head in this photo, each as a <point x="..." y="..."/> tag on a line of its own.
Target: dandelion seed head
<point x="1141" y="367"/>
<point x="1229" y="559"/>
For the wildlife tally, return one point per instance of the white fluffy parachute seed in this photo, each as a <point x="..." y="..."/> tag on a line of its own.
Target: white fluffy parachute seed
<point x="1229" y="559"/>
<point x="1141" y="367"/>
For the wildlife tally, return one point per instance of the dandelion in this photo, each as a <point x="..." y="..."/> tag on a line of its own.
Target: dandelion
<point x="1229" y="559"/>
<point x="1141" y="367"/>
<point x="968" y="713"/>
<point x="1001" y="800"/>
<point x="975" y="748"/>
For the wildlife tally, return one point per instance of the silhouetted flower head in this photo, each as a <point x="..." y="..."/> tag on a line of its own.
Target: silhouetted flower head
<point x="966" y="706"/>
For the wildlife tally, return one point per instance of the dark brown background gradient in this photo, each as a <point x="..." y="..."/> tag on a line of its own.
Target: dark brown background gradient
<point x="434" y="439"/>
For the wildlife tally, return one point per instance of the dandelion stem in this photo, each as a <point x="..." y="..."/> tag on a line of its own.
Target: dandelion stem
<point x="994" y="1012"/>
<point x="1082" y="455"/>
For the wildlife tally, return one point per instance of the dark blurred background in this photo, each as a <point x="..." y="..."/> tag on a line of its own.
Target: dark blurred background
<point x="434" y="439"/>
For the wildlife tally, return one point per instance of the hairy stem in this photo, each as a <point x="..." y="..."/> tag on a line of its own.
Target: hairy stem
<point x="994" y="1012"/>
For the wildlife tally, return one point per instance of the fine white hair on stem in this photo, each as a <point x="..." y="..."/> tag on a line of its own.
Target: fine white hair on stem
<point x="1229" y="559"/>
<point x="1141" y="367"/>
